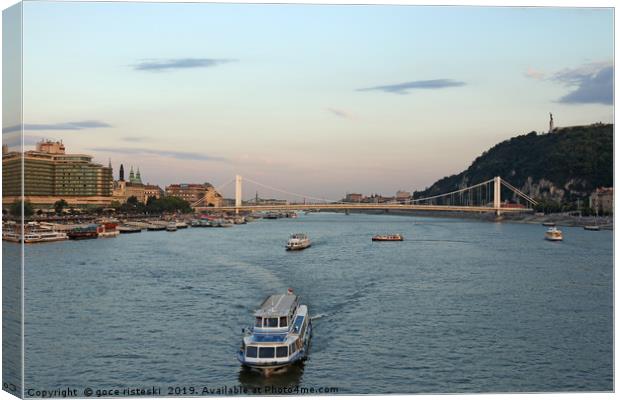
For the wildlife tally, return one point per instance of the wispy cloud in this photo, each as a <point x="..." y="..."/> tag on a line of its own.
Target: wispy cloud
<point x="534" y="73"/>
<point x="61" y="126"/>
<point x="403" y="88"/>
<point x="340" y="113"/>
<point x="181" y="155"/>
<point x="179" y="63"/>
<point x="591" y="83"/>
<point x="135" y="139"/>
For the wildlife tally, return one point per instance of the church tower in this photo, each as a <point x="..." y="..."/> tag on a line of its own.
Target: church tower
<point x="121" y="173"/>
<point x="138" y="178"/>
<point x="131" y="175"/>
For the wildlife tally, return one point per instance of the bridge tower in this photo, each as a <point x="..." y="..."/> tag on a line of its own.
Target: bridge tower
<point x="238" y="193"/>
<point x="497" y="195"/>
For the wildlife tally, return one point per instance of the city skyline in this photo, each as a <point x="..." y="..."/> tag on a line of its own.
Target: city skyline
<point x="379" y="99"/>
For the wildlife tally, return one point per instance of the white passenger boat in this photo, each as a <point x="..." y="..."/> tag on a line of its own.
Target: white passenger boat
<point x="554" y="234"/>
<point x="298" y="241"/>
<point x="280" y="336"/>
<point x="171" y="227"/>
<point x="33" y="233"/>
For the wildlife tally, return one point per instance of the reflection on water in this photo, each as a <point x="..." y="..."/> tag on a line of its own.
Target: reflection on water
<point x="460" y="306"/>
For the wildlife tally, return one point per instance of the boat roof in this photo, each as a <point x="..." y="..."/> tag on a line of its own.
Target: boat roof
<point x="277" y="305"/>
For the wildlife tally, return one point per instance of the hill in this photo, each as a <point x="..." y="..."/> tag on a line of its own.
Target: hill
<point x="560" y="167"/>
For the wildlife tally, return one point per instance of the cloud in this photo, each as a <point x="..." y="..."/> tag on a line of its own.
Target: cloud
<point x="402" y="88"/>
<point x="340" y="113"/>
<point x="181" y="155"/>
<point x="62" y="126"/>
<point x="592" y="83"/>
<point x="135" y="139"/>
<point x="534" y="73"/>
<point x="179" y="63"/>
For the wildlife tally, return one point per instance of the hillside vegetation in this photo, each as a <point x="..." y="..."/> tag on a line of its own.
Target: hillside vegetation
<point x="560" y="167"/>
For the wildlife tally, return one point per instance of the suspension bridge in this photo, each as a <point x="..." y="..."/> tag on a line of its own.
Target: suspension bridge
<point x="483" y="197"/>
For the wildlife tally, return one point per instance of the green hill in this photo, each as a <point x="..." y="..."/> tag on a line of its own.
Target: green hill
<point x="560" y="167"/>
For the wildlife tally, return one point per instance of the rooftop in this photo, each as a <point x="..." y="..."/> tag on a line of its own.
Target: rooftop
<point x="276" y="305"/>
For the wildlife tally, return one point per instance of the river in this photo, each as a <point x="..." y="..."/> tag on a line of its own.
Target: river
<point x="460" y="306"/>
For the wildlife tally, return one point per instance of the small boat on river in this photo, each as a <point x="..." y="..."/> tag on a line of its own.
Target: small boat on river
<point x="280" y="336"/>
<point x="171" y="227"/>
<point x="554" y="234"/>
<point x="397" y="237"/>
<point x="298" y="241"/>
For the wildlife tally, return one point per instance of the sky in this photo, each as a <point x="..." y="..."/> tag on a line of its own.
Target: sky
<point x="320" y="100"/>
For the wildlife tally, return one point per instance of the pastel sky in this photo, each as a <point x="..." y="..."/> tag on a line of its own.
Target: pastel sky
<point x="316" y="99"/>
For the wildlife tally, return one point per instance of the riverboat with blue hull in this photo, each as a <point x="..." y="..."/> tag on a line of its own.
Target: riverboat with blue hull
<point x="280" y="336"/>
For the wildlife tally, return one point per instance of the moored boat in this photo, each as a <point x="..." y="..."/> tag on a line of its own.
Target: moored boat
<point x="84" y="232"/>
<point x="397" y="237"/>
<point x="280" y="336"/>
<point x="129" y="229"/>
<point x="298" y="241"/>
<point x="171" y="227"/>
<point x="32" y="233"/>
<point x="222" y="223"/>
<point x="108" y="229"/>
<point x="549" y="223"/>
<point x="592" y="228"/>
<point x="554" y="234"/>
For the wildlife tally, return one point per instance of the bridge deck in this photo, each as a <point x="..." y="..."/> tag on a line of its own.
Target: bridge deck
<point x="365" y="206"/>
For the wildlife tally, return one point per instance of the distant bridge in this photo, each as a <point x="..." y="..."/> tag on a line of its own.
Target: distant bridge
<point x="479" y="198"/>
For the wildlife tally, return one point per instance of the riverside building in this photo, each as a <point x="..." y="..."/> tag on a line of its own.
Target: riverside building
<point x="134" y="187"/>
<point x="50" y="174"/>
<point x="197" y="194"/>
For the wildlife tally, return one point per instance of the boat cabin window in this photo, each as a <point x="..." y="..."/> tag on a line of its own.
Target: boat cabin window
<point x="282" y="351"/>
<point x="259" y="322"/>
<point x="298" y="322"/>
<point x="250" y="351"/>
<point x="283" y="322"/>
<point x="271" y="322"/>
<point x="266" y="352"/>
<point x="293" y="347"/>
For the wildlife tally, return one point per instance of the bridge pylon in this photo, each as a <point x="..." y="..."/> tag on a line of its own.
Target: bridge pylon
<point x="497" y="195"/>
<point x="238" y="193"/>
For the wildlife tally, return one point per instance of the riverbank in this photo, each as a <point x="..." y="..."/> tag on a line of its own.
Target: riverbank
<point x="520" y="218"/>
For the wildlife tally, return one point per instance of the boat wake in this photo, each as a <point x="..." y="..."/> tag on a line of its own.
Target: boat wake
<point x="318" y="316"/>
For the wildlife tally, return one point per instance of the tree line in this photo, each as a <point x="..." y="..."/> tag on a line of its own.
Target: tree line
<point x="153" y="205"/>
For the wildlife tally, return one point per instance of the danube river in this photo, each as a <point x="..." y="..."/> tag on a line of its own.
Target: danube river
<point x="460" y="306"/>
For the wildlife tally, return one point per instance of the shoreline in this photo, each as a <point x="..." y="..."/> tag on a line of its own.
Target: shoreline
<point x="605" y="223"/>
